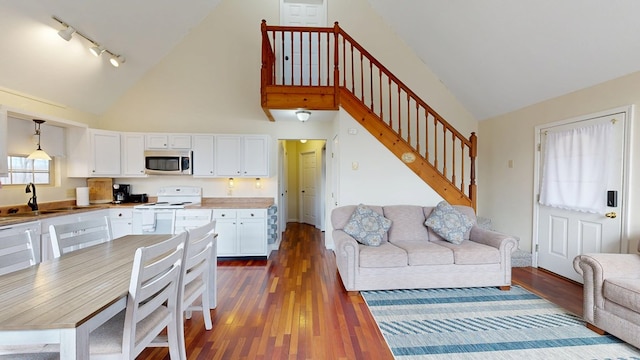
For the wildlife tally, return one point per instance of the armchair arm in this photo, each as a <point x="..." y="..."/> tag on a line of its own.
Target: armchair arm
<point x="595" y="268"/>
<point x="347" y="257"/>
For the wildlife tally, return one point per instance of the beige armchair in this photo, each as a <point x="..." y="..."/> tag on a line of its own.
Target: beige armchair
<point x="611" y="294"/>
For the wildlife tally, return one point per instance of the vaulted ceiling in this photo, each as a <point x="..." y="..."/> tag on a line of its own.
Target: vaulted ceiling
<point x="495" y="56"/>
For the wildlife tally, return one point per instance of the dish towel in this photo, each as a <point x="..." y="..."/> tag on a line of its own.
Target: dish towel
<point x="148" y="221"/>
<point x="574" y="175"/>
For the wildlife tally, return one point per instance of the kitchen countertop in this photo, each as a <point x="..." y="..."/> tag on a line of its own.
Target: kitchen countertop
<point x="48" y="210"/>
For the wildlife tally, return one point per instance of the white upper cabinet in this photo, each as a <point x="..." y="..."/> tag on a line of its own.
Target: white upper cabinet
<point x="203" y="159"/>
<point x="242" y="155"/>
<point x="92" y="152"/>
<point x="168" y="141"/>
<point x="133" y="154"/>
<point x="105" y="150"/>
<point x="255" y="155"/>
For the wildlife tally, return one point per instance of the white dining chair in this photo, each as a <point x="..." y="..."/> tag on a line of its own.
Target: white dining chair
<point x="195" y="278"/>
<point x="196" y="282"/>
<point x="77" y="235"/>
<point x="16" y="251"/>
<point x="152" y="305"/>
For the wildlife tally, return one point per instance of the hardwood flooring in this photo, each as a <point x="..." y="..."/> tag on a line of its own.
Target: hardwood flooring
<point x="293" y="306"/>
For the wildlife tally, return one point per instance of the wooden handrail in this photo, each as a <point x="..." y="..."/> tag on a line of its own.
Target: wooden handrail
<point x="296" y="56"/>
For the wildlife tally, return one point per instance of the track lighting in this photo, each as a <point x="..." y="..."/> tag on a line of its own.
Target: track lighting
<point x="116" y="60"/>
<point x="67" y="32"/>
<point x="303" y="115"/>
<point x="96" y="49"/>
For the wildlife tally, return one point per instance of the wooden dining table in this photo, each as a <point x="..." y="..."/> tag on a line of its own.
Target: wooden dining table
<point x="60" y="301"/>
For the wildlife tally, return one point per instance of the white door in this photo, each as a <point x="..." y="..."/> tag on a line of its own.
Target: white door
<point x="308" y="187"/>
<point x="564" y="234"/>
<point x="301" y="54"/>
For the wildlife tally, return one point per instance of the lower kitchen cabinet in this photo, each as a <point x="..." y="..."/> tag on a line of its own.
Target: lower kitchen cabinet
<point x="121" y="222"/>
<point x="190" y="218"/>
<point x="241" y="232"/>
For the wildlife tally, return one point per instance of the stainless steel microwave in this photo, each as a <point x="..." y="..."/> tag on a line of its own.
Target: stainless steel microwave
<point x="168" y="162"/>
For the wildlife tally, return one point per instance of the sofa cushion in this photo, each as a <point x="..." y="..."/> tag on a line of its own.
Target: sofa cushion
<point x="471" y="253"/>
<point x="408" y="223"/>
<point x="422" y="252"/>
<point x="623" y="291"/>
<point x="367" y="226"/>
<point x="385" y="255"/>
<point x="449" y="223"/>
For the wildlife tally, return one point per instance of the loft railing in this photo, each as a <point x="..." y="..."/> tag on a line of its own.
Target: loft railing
<point x="311" y="57"/>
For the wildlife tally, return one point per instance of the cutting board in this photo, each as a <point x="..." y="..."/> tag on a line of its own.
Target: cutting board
<point x="100" y="190"/>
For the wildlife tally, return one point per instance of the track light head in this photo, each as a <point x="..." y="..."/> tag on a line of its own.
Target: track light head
<point x="116" y="60"/>
<point x="67" y="32"/>
<point x="96" y="50"/>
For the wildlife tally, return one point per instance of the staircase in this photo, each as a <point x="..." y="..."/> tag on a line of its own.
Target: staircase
<point x="320" y="68"/>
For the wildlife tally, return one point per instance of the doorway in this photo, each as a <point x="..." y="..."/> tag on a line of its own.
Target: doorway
<point x="302" y="182"/>
<point x="562" y="233"/>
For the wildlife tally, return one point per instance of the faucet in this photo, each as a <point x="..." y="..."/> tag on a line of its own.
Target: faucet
<point x="33" y="203"/>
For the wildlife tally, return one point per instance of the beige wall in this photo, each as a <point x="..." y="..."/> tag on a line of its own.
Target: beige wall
<point x="506" y="194"/>
<point x="210" y="83"/>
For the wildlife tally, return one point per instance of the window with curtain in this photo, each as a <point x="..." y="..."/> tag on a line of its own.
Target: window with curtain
<point x="23" y="171"/>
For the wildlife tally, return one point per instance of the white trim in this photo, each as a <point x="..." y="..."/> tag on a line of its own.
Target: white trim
<point x="626" y="174"/>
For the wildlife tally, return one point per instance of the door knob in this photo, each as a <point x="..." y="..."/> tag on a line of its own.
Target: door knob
<point x="611" y="215"/>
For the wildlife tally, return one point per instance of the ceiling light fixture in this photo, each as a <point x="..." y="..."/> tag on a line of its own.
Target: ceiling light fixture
<point x="116" y="60"/>
<point x="96" y="49"/>
<point x="303" y="115"/>
<point x="67" y="32"/>
<point x="38" y="154"/>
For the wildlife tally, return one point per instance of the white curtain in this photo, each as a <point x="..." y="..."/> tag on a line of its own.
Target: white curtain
<point x="575" y="171"/>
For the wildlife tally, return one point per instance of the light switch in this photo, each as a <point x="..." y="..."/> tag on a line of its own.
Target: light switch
<point x="510" y="164"/>
<point x="354" y="165"/>
<point x="353" y="131"/>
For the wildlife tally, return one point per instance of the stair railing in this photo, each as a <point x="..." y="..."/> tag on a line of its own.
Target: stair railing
<point x="329" y="57"/>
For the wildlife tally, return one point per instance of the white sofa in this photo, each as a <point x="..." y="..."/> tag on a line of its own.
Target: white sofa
<point x="414" y="256"/>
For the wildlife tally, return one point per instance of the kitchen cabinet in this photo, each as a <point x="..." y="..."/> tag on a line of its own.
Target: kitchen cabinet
<point x="121" y="222"/>
<point x="105" y="152"/>
<point x="191" y="218"/>
<point x="92" y="152"/>
<point x="33" y="227"/>
<point x="168" y="141"/>
<point x="132" y="155"/>
<point x="242" y="155"/>
<point x="241" y="232"/>
<point x="203" y="159"/>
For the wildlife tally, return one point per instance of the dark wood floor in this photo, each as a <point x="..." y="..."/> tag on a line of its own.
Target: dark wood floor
<point x="293" y="306"/>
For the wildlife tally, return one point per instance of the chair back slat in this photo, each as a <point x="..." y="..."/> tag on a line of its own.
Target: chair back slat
<point x="16" y="251"/>
<point x="78" y="235"/>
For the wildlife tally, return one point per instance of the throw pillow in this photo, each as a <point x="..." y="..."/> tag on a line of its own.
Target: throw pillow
<point x="367" y="226"/>
<point x="449" y="223"/>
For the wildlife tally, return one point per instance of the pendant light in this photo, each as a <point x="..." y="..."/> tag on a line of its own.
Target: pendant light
<point x="39" y="154"/>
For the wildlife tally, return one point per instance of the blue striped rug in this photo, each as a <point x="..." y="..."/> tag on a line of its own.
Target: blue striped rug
<point x="485" y="323"/>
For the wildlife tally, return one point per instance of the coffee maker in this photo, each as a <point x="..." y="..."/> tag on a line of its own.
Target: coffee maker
<point x="121" y="193"/>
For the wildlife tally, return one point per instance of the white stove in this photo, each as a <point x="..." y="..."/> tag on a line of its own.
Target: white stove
<point x="175" y="197"/>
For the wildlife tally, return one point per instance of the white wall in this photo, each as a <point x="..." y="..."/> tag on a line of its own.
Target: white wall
<point x="506" y="194"/>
